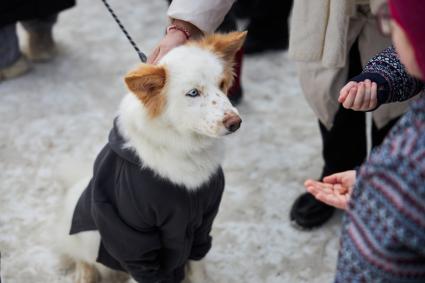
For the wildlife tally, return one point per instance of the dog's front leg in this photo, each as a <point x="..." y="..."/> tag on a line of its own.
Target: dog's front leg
<point x="86" y="273"/>
<point x="196" y="272"/>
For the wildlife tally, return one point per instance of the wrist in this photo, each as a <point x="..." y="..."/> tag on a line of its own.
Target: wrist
<point x="190" y="30"/>
<point x="182" y="30"/>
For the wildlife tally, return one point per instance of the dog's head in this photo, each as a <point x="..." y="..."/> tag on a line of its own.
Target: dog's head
<point x="188" y="88"/>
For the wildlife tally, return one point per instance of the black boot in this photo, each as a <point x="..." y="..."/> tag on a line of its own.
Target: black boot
<point x="308" y="213"/>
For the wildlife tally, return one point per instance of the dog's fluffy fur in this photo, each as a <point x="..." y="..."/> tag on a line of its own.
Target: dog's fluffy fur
<point x="172" y="133"/>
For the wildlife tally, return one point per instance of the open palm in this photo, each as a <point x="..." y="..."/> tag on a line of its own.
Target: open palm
<point x="335" y="190"/>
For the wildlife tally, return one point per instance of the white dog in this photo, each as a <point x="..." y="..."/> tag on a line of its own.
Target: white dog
<point x="157" y="184"/>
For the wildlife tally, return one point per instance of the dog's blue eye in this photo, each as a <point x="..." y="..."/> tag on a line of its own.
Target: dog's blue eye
<point x="193" y="93"/>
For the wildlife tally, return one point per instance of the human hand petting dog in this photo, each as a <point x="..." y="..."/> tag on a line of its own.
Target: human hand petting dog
<point x="180" y="32"/>
<point x="335" y="190"/>
<point x="359" y="96"/>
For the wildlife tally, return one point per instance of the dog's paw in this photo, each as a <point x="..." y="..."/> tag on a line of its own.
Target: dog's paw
<point x="196" y="273"/>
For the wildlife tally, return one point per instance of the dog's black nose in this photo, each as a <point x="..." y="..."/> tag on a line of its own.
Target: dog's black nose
<point x="232" y="123"/>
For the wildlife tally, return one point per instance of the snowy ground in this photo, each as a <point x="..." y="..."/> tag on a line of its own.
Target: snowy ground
<point x="64" y="110"/>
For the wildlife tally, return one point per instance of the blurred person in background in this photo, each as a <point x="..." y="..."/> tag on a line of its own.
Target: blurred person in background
<point x="268" y="27"/>
<point x="325" y="37"/>
<point x="37" y="18"/>
<point x="383" y="235"/>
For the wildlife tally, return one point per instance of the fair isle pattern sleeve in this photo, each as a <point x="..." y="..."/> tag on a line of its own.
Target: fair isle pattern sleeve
<point x="400" y="86"/>
<point x="383" y="236"/>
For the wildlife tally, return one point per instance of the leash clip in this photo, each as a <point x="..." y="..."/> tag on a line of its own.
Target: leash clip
<point x="142" y="56"/>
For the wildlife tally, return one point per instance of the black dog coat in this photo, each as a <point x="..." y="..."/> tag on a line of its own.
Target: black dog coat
<point x="149" y="226"/>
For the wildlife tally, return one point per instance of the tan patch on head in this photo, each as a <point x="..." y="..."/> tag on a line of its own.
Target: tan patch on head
<point x="147" y="83"/>
<point x="225" y="46"/>
<point x="227" y="80"/>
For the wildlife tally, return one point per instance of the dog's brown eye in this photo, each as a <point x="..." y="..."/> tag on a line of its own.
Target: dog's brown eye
<point x="222" y="85"/>
<point x="193" y="93"/>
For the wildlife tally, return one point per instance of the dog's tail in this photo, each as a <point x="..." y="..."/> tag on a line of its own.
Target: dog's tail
<point x="71" y="171"/>
<point x="73" y="177"/>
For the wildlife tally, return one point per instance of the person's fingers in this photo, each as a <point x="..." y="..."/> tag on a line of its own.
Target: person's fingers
<point x="345" y="90"/>
<point x="153" y="55"/>
<point x="348" y="103"/>
<point x="358" y="101"/>
<point x="161" y="53"/>
<point x="333" y="179"/>
<point x="373" y="96"/>
<point x="366" y="99"/>
<point x="314" y="190"/>
<point x="308" y="182"/>
<point x="318" y="185"/>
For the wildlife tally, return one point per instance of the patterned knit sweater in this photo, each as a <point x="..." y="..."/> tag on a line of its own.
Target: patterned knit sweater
<point x="383" y="236"/>
<point x="394" y="83"/>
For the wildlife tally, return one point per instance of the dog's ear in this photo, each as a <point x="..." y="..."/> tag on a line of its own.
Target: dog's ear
<point x="147" y="82"/>
<point x="226" y="44"/>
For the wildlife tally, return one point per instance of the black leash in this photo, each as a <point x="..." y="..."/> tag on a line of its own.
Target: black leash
<point x="142" y="55"/>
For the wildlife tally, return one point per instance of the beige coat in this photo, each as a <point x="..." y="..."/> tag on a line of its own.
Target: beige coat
<point x="207" y="15"/>
<point x="322" y="33"/>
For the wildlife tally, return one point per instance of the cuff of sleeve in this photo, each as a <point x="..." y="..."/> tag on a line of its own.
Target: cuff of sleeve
<point x="199" y="251"/>
<point x="383" y="93"/>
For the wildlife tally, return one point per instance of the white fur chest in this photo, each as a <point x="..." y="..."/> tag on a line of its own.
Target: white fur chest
<point x="188" y="160"/>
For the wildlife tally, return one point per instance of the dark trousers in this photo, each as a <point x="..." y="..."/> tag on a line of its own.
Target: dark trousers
<point x="9" y="43"/>
<point x="271" y="11"/>
<point x="344" y="145"/>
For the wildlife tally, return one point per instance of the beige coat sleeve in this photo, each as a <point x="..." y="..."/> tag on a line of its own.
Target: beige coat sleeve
<point x="206" y="15"/>
<point x="319" y="31"/>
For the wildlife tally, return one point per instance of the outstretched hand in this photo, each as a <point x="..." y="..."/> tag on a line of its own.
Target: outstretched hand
<point x="335" y="190"/>
<point x="359" y="96"/>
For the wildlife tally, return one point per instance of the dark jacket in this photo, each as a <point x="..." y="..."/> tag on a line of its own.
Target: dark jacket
<point x="149" y="226"/>
<point x="12" y="11"/>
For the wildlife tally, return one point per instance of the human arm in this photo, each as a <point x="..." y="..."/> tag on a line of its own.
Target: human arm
<point x="383" y="237"/>
<point x="383" y="80"/>
<point x="194" y="16"/>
